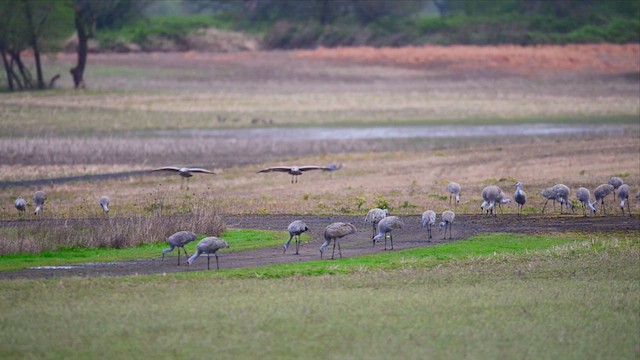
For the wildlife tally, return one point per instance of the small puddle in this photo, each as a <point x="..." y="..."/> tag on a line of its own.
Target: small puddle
<point x="65" y="267"/>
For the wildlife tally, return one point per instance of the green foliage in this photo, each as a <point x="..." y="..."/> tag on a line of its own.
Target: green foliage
<point x="381" y="202"/>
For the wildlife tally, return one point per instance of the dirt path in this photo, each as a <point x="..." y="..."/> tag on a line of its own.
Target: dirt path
<point x="411" y="236"/>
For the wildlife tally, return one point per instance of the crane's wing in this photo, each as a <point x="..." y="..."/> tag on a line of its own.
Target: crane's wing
<point x="276" y="168"/>
<point x="333" y="167"/>
<point x="200" y="170"/>
<point x="307" y="168"/>
<point x="167" y="168"/>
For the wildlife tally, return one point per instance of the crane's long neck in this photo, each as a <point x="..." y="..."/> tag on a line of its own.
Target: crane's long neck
<point x="194" y="256"/>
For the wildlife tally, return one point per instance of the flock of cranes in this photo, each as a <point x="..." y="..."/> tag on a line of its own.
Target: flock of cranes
<point x="382" y="223"/>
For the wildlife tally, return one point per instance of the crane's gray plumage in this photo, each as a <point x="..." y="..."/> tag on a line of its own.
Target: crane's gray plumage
<point x="601" y="192"/>
<point x="616" y="182"/>
<point x="296" y="228"/>
<point x="428" y="220"/>
<point x="562" y="192"/>
<point x="39" y="197"/>
<point x="21" y="205"/>
<point x="490" y="196"/>
<point x="335" y="232"/>
<point x="447" y="221"/>
<point x="520" y="197"/>
<point x="208" y="245"/>
<point x="104" y="203"/>
<point x="385" y="227"/>
<point x="502" y="199"/>
<point x="333" y="167"/>
<point x="454" y="190"/>
<point x="623" y="196"/>
<point x="584" y="196"/>
<point x="294" y="171"/>
<point x="179" y="240"/>
<point x="374" y="216"/>
<point x="549" y="194"/>
<point x="184" y="172"/>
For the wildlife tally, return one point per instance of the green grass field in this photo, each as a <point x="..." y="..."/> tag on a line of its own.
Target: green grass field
<point x="535" y="297"/>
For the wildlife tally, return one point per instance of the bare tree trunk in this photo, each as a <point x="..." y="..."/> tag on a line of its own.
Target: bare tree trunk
<point x="7" y="69"/>
<point x="33" y="41"/>
<point x="26" y="76"/>
<point x="78" y="71"/>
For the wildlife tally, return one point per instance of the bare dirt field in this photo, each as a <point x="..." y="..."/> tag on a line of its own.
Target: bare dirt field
<point x="410" y="236"/>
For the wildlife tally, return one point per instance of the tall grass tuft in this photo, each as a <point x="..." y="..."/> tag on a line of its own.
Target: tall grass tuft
<point x="204" y="217"/>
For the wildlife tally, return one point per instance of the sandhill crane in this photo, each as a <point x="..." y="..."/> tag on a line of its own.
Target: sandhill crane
<point x="616" y="182"/>
<point x="335" y="232"/>
<point x="333" y="167"/>
<point x="502" y="199"/>
<point x="428" y="220"/>
<point x="491" y="195"/>
<point x="184" y="172"/>
<point x="385" y="227"/>
<point x="104" y="203"/>
<point x="584" y="196"/>
<point x="179" y="240"/>
<point x="209" y="245"/>
<point x="454" y="190"/>
<point x="562" y="195"/>
<point x="447" y="221"/>
<point x="549" y="194"/>
<point x="520" y="197"/>
<point x="295" y="229"/>
<point x="600" y="193"/>
<point x="21" y="205"/>
<point x="294" y="171"/>
<point x="623" y="195"/>
<point x="374" y="216"/>
<point x="39" y="197"/>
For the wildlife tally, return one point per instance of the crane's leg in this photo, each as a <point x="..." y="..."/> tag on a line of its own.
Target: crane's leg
<point x="449" y="199"/>
<point x="208" y="258"/>
<point x="334" y="248"/>
<point x="391" y="238"/>
<point x="385" y="241"/>
<point x="178" y="256"/>
<point x="217" y="265"/>
<point x="339" y="248"/>
<point x="545" y="205"/>
<point x="628" y="208"/>
<point x="297" y="244"/>
<point x="185" y="253"/>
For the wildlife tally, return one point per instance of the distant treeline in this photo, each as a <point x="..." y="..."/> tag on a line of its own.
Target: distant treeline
<point x="287" y="24"/>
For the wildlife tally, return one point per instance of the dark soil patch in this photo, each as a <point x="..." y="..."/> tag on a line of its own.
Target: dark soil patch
<point x="411" y="236"/>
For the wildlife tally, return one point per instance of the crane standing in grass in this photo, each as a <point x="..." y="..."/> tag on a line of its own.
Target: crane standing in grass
<point x="21" y="206"/>
<point x="179" y="240"/>
<point x="295" y="229"/>
<point x="374" y="216"/>
<point x="104" y="204"/>
<point x="428" y="220"/>
<point x="385" y="227"/>
<point x="454" y="190"/>
<point x="623" y="196"/>
<point x="39" y="197"/>
<point x="447" y="221"/>
<point x="562" y="192"/>
<point x="209" y="245"/>
<point x="520" y="197"/>
<point x="549" y="194"/>
<point x="584" y="196"/>
<point x="335" y="232"/>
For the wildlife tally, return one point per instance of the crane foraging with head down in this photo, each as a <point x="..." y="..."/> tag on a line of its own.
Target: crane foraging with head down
<point x="385" y="227"/>
<point x="562" y="192"/>
<point x="447" y="221"/>
<point x="601" y="192"/>
<point x="209" y="245"/>
<point x="335" y="232"/>
<point x="295" y="229"/>
<point x="584" y="196"/>
<point x="454" y="190"/>
<point x="616" y="182"/>
<point x="104" y="204"/>
<point x="374" y="216"/>
<point x="428" y="220"/>
<point x="179" y="240"/>
<point x="39" y="197"/>
<point x="623" y="196"/>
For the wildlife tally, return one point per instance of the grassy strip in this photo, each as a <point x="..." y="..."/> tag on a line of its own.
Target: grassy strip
<point x="578" y="299"/>
<point x="238" y="240"/>
<point x="478" y="246"/>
